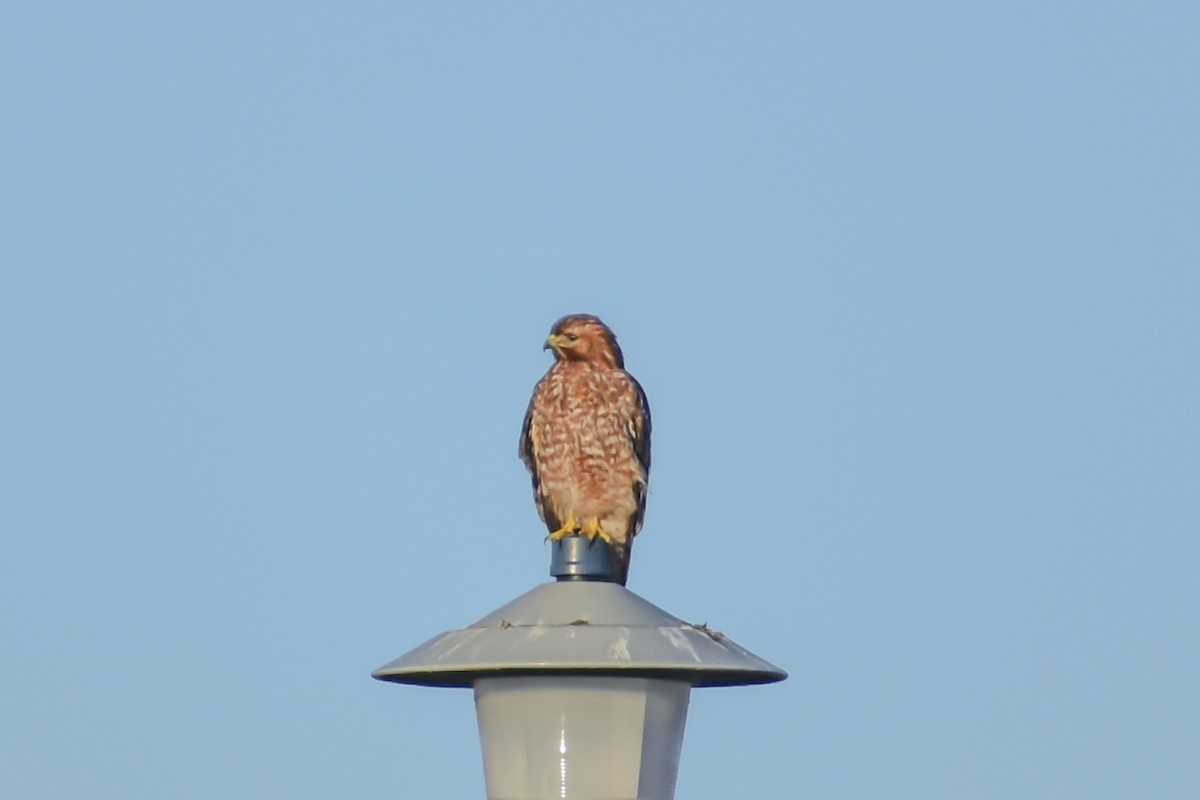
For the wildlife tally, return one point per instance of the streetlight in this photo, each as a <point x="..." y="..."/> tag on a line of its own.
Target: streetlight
<point x="581" y="686"/>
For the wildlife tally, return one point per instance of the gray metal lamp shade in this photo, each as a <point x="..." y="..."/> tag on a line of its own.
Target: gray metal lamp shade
<point x="581" y="686"/>
<point x="581" y="624"/>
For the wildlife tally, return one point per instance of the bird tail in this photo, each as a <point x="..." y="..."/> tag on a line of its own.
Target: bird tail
<point x="619" y="560"/>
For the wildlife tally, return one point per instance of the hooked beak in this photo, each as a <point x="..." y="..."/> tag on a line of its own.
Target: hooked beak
<point x="552" y="342"/>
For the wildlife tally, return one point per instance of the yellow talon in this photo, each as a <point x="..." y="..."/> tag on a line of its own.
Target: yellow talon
<point x="568" y="528"/>
<point x="593" y="529"/>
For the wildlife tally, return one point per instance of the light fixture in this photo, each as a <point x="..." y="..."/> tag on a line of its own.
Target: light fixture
<point x="581" y="686"/>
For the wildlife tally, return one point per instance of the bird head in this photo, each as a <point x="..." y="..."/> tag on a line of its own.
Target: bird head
<point x="583" y="337"/>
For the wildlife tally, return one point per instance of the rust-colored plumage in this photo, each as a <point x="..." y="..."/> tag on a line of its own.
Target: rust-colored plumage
<point x="586" y="439"/>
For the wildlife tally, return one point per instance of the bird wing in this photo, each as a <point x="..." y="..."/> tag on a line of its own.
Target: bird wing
<point x="526" y="449"/>
<point x="639" y="429"/>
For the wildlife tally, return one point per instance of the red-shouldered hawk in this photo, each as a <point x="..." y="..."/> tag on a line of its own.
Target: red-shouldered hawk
<point x="586" y="439"/>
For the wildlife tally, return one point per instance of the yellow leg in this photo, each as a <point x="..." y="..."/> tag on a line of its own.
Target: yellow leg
<point x="569" y="527"/>
<point x="593" y="529"/>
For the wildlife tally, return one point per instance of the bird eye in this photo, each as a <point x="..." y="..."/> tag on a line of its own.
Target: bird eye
<point x="571" y="337"/>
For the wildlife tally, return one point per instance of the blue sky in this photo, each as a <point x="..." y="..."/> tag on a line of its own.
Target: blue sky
<point x="912" y="288"/>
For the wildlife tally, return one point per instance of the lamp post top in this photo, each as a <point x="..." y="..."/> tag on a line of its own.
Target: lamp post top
<point x="582" y="624"/>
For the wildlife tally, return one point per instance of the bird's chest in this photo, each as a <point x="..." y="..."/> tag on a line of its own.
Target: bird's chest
<point x="578" y="413"/>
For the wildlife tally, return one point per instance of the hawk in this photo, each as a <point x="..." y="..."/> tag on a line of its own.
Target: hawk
<point x="586" y="440"/>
